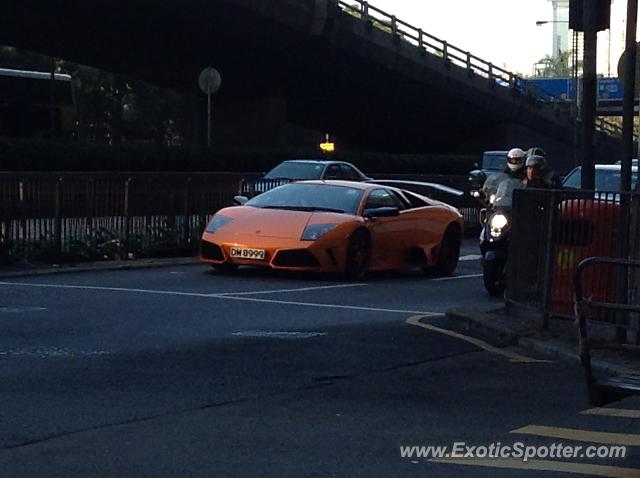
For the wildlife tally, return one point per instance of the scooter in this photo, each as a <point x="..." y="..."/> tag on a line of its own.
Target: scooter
<point x="494" y="237"/>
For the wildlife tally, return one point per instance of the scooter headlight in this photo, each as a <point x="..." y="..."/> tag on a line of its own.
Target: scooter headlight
<point x="498" y="224"/>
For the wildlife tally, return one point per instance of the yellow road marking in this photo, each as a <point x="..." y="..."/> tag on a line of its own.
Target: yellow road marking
<point x="512" y="356"/>
<point x="581" y="435"/>
<point x="547" y="465"/>
<point x="612" y="412"/>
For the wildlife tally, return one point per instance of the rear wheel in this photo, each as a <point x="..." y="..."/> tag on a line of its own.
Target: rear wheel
<point x="449" y="251"/>
<point x="358" y="255"/>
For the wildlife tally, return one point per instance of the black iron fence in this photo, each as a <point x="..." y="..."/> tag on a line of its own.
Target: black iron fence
<point x="553" y="231"/>
<point x="94" y="216"/>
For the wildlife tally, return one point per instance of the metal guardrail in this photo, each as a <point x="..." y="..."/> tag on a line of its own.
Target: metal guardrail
<point x="552" y="232"/>
<point x="401" y="30"/>
<point x="615" y="307"/>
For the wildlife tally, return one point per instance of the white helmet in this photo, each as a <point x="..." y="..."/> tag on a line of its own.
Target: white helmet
<point x="515" y="159"/>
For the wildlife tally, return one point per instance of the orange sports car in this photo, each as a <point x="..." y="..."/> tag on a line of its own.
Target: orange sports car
<point x="335" y="226"/>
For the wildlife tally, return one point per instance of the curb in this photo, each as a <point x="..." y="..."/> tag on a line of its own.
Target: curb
<point x="102" y="266"/>
<point x="477" y="319"/>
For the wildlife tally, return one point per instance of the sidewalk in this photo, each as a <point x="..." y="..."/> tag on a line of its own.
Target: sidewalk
<point x="524" y="329"/>
<point x="30" y="269"/>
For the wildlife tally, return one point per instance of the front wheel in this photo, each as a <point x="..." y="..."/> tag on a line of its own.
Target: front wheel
<point x="449" y="251"/>
<point x="358" y="255"/>
<point x="494" y="279"/>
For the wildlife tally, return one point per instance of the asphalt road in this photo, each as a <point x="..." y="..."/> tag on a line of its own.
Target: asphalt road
<point x="184" y="372"/>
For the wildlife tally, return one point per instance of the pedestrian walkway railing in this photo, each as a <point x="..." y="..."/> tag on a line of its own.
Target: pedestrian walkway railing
<point x="49" y="216"/>
<point x="553" y="231"/>
<point x="616" y="310"/>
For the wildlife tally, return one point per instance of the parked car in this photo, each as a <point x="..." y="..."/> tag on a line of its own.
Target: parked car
<point x="303" y="169"/>
<point x="493" y="162"/>
<point x="335" y="226"/>
<point x="607" y="177"/>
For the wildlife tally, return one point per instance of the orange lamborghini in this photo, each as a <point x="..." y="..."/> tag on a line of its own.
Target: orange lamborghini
<point x="335" y="226"/>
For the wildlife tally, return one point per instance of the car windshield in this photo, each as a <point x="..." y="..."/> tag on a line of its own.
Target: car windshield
<point x="296" y="170"/>
<point x="494" y="161"/>
<point x="606" y="179"/>
<point x="310" y="197"/>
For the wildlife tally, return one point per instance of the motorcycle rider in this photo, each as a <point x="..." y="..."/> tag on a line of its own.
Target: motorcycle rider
<point x="539" y="175"/>
<point x="514" y="170"/>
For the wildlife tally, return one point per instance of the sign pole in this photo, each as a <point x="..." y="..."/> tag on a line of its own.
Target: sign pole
<point x="589" y="91"/>
<point x="208" y="114"/>
<point x="209" y="82"/>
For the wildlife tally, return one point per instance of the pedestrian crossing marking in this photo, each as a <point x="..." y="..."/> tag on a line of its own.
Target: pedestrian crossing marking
<point x="547" y="465"/>
<point x="606" y="438"/>
<point x="612" y="412"/>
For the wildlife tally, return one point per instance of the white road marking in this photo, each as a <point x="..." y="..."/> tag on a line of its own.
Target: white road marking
<point x="18" y="310"/>
<point x="299" y="289"/>
<point x="49" y="352"/>
<point x="457" y="277"/>
<point x="331" y="306"/>
<point x="108" y="289"/>
<point x="270" y="334"/>
<point x="470" y="257"/>
<point x="222" y="296"/>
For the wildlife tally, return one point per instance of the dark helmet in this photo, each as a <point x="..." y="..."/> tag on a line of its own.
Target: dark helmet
<point x="537" y="162"/>
<point x="535" y="151"/>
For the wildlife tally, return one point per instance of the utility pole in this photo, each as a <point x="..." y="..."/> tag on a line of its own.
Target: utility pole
<point x="589" y="91"/>
<point x="629" y="95"/>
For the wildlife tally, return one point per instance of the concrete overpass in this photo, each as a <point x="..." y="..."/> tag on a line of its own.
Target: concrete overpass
<point x="293" y="69"/>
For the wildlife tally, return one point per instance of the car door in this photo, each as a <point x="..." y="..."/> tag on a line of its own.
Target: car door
<point x="388" y="234"/>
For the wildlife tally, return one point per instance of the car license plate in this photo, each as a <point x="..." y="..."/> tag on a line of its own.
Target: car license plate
<point x="245" y="253"/>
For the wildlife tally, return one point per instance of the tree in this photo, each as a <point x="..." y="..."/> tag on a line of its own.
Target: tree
<point x="114" y="109"/>
<point x="556" y="66"/>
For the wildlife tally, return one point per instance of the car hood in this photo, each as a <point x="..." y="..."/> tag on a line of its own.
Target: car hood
<point x="277" y="222"/>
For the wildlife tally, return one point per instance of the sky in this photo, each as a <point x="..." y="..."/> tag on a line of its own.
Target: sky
<point x="503" y="32"/>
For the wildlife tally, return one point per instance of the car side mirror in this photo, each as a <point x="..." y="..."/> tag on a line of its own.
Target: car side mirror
<point x="240" y="200"/>
<point x="384" y="211"/>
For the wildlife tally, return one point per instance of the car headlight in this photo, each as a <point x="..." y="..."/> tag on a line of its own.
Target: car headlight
<point x="314" y="232"/>
<point x="498" y="224"/>
<point x="217" y="222"/>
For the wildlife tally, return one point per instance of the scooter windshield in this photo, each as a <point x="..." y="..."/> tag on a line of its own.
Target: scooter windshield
<point x="504" y="194"/>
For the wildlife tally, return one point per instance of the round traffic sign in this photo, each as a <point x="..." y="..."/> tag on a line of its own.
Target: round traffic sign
<point x="209" y="80"/>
